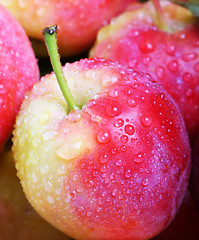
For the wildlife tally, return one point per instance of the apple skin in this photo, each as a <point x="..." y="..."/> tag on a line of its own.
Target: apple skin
<point x="172" y="57"/>
<point x="78" y="20"/>
<point x="18" y="220"/>
<point x="18" y="71"/>
<point x="118" y="168"/>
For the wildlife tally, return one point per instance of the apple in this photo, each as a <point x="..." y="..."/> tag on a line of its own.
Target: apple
<point x="18" y="71"/>
<point x="78" y="20"/>
<point x="106" y="154"/>
<point x="18" y="220"/>
<point x="162" y="41"/>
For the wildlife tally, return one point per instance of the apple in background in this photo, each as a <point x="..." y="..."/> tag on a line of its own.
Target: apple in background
<point x="166" y="47"/>
<point x="18" y="220"/>
<point x="18" y="71"/>
<point x="117" y="168"/>
<point x="78" y="20"/>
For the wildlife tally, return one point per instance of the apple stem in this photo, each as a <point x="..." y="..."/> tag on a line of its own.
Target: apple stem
<point x="50" y="36"/>
<point x="162" y="22"/>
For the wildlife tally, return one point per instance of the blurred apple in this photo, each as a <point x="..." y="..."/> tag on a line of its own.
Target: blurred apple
<point x="18" y="220"/>
<point x="78" y="20"/>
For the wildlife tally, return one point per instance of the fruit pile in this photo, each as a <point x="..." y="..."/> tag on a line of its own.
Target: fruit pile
<point x="102" y="143"/>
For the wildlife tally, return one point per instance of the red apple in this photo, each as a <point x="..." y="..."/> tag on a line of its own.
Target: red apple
<point x="18" y="71"/>
<point x="116" y="169"/>
<point x="78" y="20"/>
<point x="18" y="220"/>
<point x="168" y="50"/>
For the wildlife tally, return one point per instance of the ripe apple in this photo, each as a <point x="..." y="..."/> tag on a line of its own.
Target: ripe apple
<point x="18" y="220"/>
<point x="117" y="168"/>
<point x="78" y="20"/>
<point x="168" y="50"/>
<point x="18" y="71"/>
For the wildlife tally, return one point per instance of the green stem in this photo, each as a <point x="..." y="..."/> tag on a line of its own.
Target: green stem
<point x="162" y="22"/>
<point x="50" y="36"/>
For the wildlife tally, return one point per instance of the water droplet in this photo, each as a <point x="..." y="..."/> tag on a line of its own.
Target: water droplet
<point x="118" y="162"/>
<point x="145" y="182"/>
<point x="74" y="116"/>
<point x="48" y="135"/>
<point x="170" y="49"/>
<point x="173" y="66"/>
<point x="103" y="158"/>
<point x="160" y="72"/>
<point x="114" y="192"/>
<point x="114" y="150"/>
<point x="129" y="129"/>
<point x="189" y="56"/>
<point x="123" y="148"/>
<point x="118" y="122"/>
<point x="127" y="173"/>
<point x="132" y="103"/>
<point x="145" y="121"/>
<point x="50" y="199"/>
<point x="146" y="60"/>
<point x="196" y="67"/>
<point x="95" y="118"/>
<point x="138" y="158"/>
<point x="187" y="77"/>
<point x="124" y="139"/>
<point x="113" y="110"/>
<point x="104" y="136"/>
<point x="146" y="46"/>
<point x="189" y="92"/>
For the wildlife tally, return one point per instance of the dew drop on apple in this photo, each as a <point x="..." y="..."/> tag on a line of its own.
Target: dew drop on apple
<point x="160" y="72"/>
<point x="189" y="56"/>
<point x="127" y="173"/>
<point x="145" y="182"/>
<point x="146" y="46"/>
<point x="187" y="77"/>
<point x="173" y="66"/>
<point x="145" y="121"/>
<point x="104" y="136"/>
<point x="104" y="158"/>
<point x="113" y="110"/>
<point x="118" y="162"/>
<point x="129" y="129"/>
<point x="124" y="138"/>
<point x="118" y="123"/>
<point x="138" y="158"/>
<point x="196" y="67"/>
<point x="132" y="102"/>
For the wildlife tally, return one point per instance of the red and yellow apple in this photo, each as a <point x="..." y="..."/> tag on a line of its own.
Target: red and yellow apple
<point x="118" y="167"/>
<point x="78" y="20"/>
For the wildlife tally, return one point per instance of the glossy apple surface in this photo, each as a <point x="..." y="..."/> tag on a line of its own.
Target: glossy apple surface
<point x="118" y="168"/>
<point x="18" y="71"/>
<point x="78" y="20"/>
<point x="18" y="220"/>
<point x="136" y="38"/>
